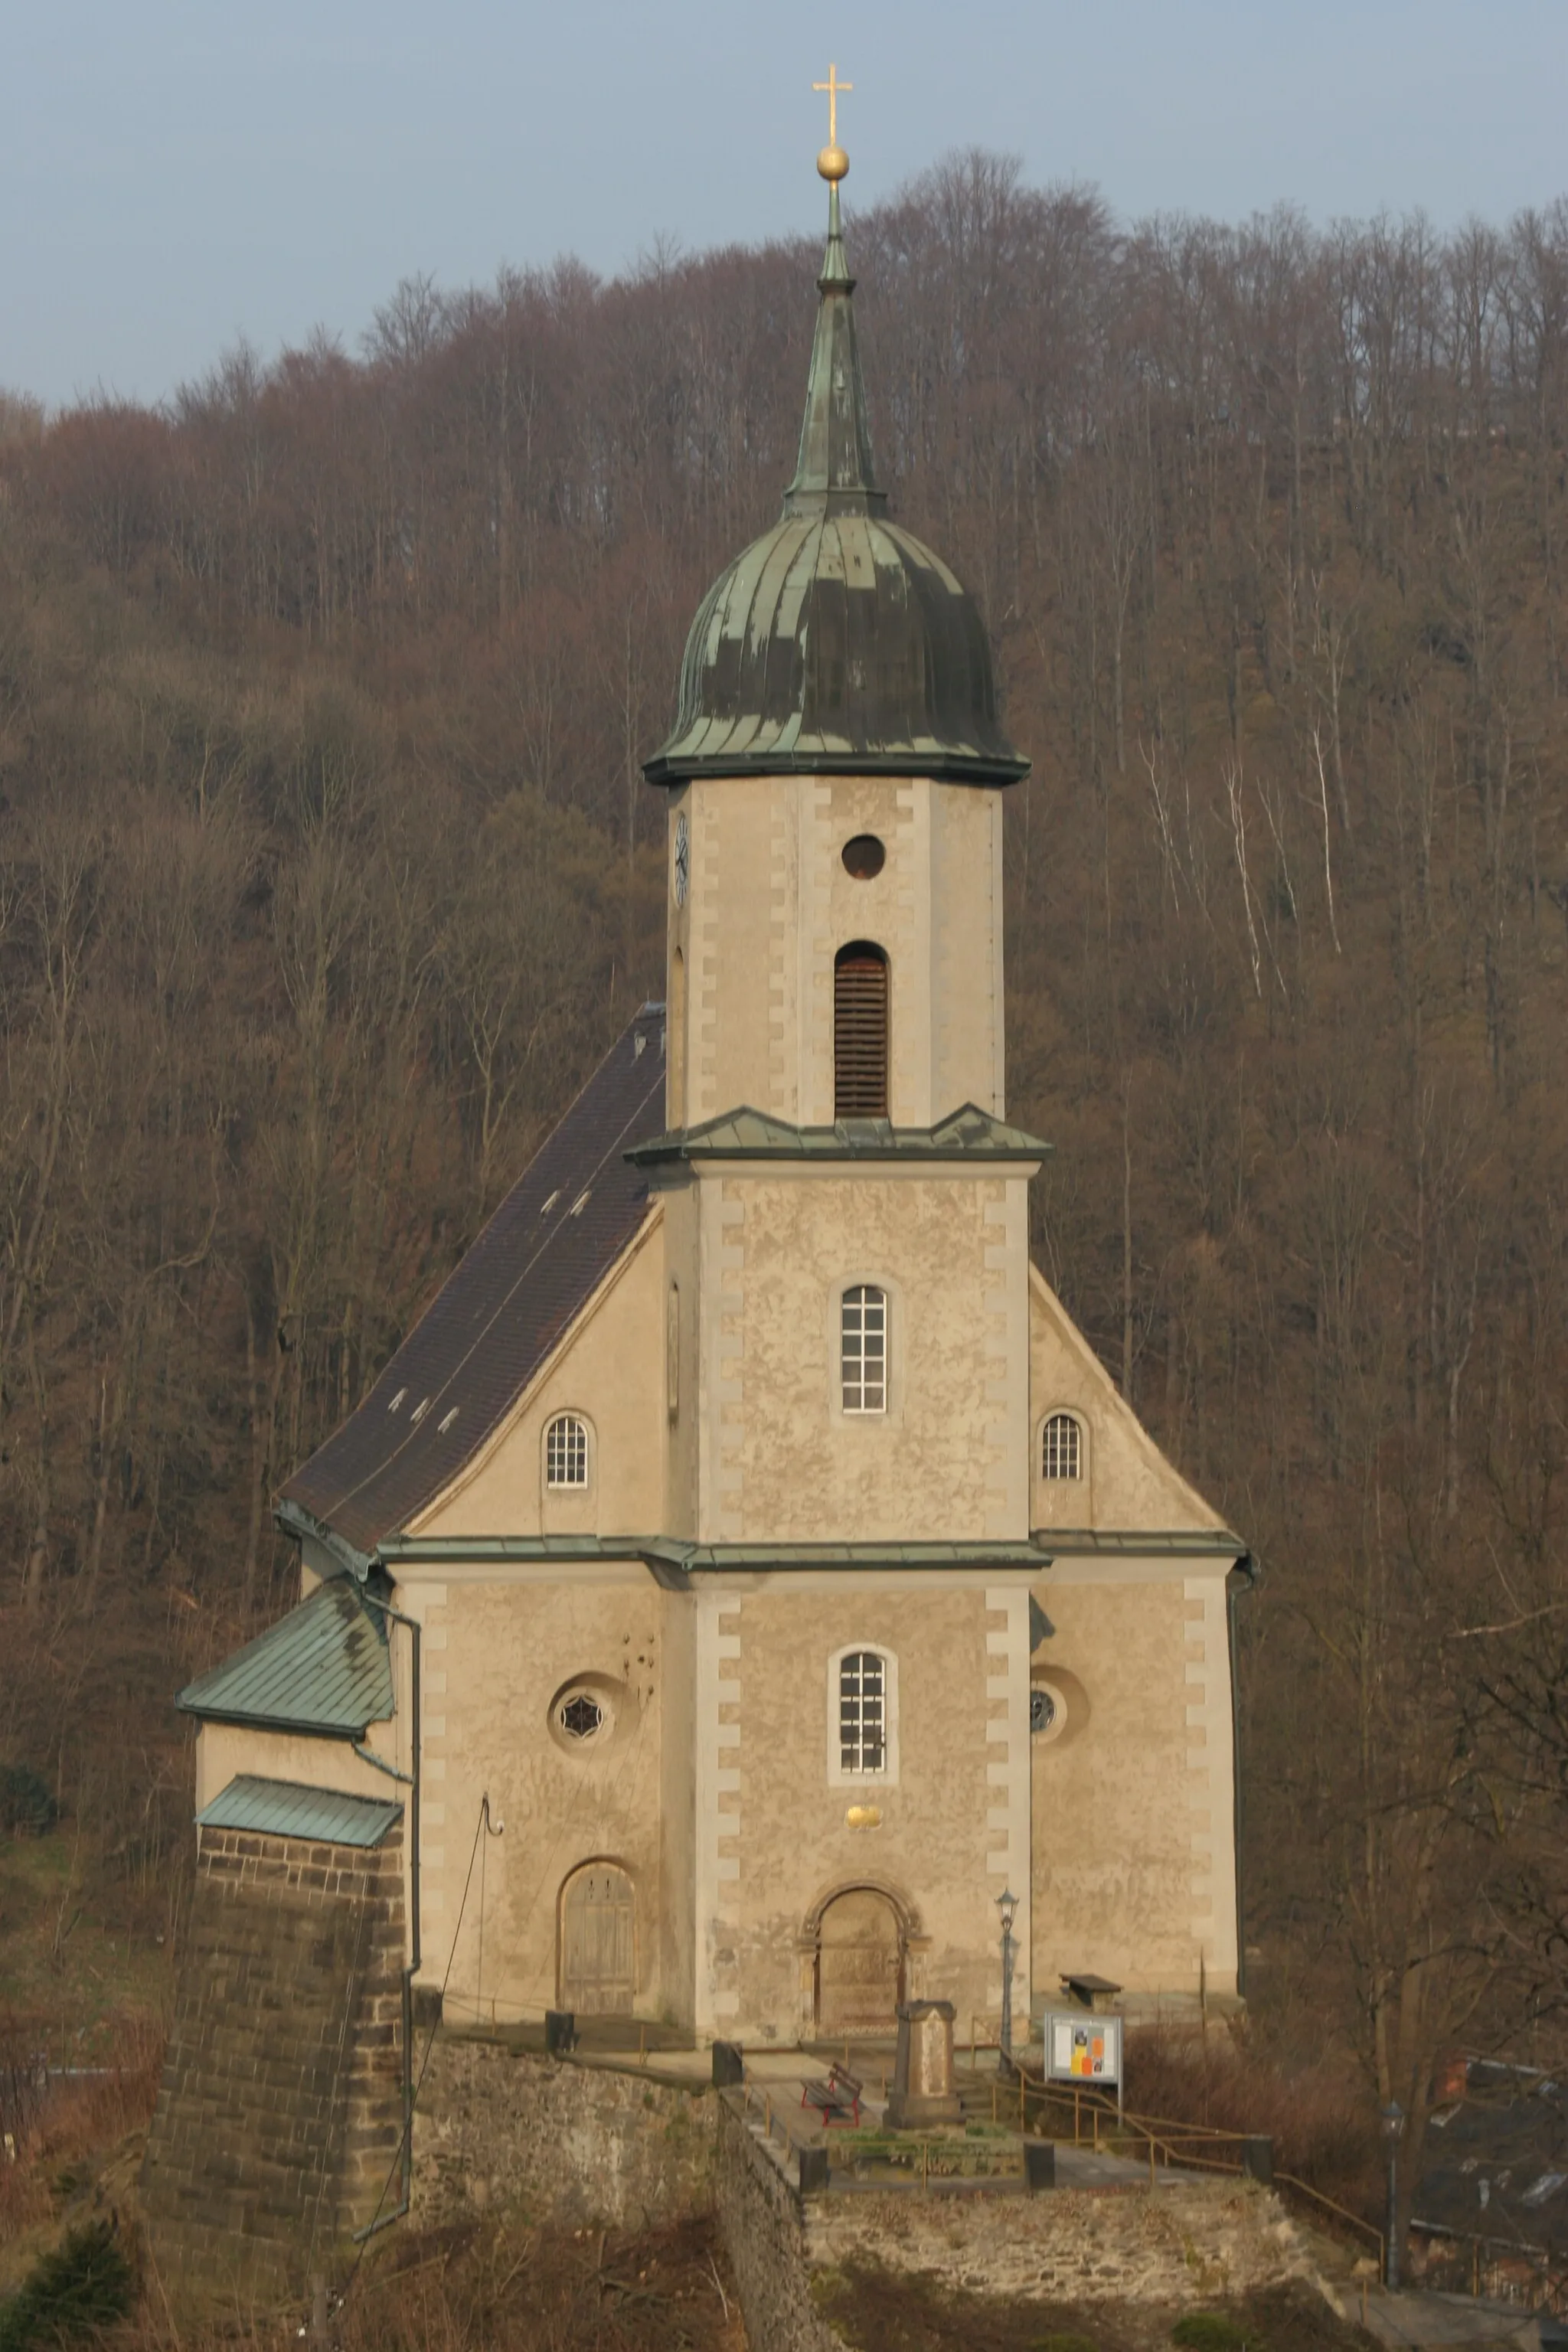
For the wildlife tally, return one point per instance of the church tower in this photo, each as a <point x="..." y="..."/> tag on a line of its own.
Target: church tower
<point x="845" y="1223"/>
<point x="836" y="1092"/>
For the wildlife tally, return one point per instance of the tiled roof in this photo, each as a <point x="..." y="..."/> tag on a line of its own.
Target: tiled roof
<point x="289" y="1808"/>
<point x="497" y="1317"/>
<point x="322" y="1668"/>
<point x="967" y="1133"/>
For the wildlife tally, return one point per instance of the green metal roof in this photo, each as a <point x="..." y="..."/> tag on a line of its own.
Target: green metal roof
<point x="291" y="1809"/>
<point x="674" y="1561"/>
<point x="1132" y="1543"/>
<point x="836" y="643"/>
<point x="323" y="1668"/>
<point x="968" y="1133"/>
<point x="694" y="1558"/>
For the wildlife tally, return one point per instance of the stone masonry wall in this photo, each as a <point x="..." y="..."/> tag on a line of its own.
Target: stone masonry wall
<point x="280" y="2115"/>
<point x="1194" y="2242"/>
<point x="764" y="2225"/>
<point x="562" y="2142"/>
<point x="1177" y="2246"/>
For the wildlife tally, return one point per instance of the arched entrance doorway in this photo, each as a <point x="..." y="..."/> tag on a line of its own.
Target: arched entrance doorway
<point x="859" y="1965"/>
<point x="598" y="1942"/>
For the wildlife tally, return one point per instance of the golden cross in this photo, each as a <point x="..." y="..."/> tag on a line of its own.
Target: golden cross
<point x="835" y="88"/>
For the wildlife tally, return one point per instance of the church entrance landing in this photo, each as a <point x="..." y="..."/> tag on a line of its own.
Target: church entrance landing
<point x="859" y="1966"/>
<point x="598" y="1942"/>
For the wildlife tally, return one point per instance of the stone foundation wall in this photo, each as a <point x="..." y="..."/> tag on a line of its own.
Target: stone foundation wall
<point x="280" y="2115"/>
<point x="764" y="2228"/>
<point x="560" y="2141"/>
<point x="1194" y="2242"/>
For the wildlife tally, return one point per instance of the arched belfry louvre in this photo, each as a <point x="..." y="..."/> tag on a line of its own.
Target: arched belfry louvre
<point x="860" y="1031"/>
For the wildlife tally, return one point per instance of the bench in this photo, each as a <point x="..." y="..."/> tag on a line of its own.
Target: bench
<point x="836" y="2097"/>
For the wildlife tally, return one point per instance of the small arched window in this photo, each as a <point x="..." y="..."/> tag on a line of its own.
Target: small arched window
<point x="566" y="1451"/>
<point x="1061" y="1447"/>
<point x="860" y="1031"/>
<point x="863" y="1349"/>
<point x="863" y="1711"/>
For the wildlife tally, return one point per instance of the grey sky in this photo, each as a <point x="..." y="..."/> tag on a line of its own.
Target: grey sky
<point x="178" y="173"/>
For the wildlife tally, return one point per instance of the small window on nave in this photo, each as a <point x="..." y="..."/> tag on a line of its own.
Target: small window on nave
<point x="860" y="1031"/>
<point x="1061" y="1447"/>
<point x="566" y="1452"/>
<point x="863" y="1711"/>
<point x="863" y="1349"/>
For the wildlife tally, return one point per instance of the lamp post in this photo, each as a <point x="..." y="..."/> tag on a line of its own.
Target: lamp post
<point x="1392" y="2126"/>
<point x="1007" y="1911"/>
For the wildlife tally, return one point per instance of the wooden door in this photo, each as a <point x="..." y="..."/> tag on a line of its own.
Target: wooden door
<point x="598" y="1942"/>
<point x="859" y="1966"/>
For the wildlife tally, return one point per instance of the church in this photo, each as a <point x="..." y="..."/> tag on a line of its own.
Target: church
<point x="744" y="1576"/>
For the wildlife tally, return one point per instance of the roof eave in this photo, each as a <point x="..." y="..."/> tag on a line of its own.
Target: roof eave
<point x="295" y="1522"/>
<point x="672" y="1559"/>
<point x="990" y="1141"/>
<point x="671" y="766"/>
<point x="260" y="1721"/>
<point x="1132" y="1543"/>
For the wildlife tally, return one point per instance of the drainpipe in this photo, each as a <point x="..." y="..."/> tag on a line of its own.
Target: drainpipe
<point x="395" y="1617"/>
<point x="1242" y="1578"/>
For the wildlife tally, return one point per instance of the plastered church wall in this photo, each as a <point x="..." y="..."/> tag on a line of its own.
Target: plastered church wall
<point x="683" y="1403"/>
<point x="940" y="1833"/>
<point x="781" y="1461"/>
<point x="499" y="1647"/>
<point x="1132" y="1800"/>
<point x="1134" y="1796"/>
<point x="769" y="905"/>
<point x="224" y="1749"/>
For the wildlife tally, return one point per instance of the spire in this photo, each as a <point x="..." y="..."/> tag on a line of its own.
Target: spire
<point x="834" y="473"/>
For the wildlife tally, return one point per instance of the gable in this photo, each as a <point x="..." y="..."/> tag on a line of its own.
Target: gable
<point x="1127" y="1483"/>
<point x="500" y="1314"/>
<point x="608" y="1371"/>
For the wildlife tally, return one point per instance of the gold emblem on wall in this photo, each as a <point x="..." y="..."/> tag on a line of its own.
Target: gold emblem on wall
<point x="863" y="1817"/>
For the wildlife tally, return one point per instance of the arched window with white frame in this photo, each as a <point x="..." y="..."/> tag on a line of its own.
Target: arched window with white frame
<point x="1061" y="1446"/>
<point x="863" y="1711"/>
<point x="863" y="1349"/>
<point x="863" y="1714"/>
<point x="566" y="1453"/>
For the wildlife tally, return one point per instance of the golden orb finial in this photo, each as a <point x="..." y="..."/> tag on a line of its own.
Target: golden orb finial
<point x="833" y="162"/>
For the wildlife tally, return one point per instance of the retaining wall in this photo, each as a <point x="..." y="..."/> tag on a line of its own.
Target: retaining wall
<point x="280" y="2114"/>
<point x="1179" y="2245"/>
<point x="562" y="2142"/>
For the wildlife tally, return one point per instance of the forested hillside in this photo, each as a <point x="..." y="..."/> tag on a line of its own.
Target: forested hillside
<point x="326" y="871"/>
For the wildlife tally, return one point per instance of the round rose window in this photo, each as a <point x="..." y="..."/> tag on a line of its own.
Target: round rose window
<point x="581" y="1716"/>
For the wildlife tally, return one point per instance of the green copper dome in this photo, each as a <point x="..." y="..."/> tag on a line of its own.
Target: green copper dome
<point x="836" y="643"/>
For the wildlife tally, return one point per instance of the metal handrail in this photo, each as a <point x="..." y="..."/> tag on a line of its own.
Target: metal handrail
<point x="1166" y="2135"/>
<point x="1333" y="2206"/>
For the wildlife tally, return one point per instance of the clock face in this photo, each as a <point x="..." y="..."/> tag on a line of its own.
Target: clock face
<point x="682" y="858"/>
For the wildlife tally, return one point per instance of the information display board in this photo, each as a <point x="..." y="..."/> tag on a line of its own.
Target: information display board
<point x="1082" y="2048"/>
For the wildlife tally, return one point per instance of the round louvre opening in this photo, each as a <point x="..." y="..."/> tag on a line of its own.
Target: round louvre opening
<point x="864" y="857"/>
<point x="1045" y="1711"/>
<point x="581" y="1716"/>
